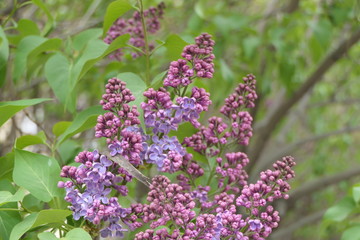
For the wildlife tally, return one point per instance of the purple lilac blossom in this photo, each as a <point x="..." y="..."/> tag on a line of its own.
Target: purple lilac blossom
<point x="88" y="192"/>
<point x="133" y="26"/>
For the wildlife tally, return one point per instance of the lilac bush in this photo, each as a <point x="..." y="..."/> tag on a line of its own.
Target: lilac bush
<point x="223" y="206"/>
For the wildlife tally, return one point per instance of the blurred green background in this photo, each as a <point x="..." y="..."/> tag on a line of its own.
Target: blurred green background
<point x="304" y="53"/>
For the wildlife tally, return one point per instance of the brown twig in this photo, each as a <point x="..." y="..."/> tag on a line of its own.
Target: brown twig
<point x="271" y="122"/>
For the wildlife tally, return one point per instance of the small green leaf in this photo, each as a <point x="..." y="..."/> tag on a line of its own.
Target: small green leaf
<point x="83" y="121"/>
<point x="249" y="46"/>
<point x="47" y="236"/>
<point x="7" y="197"/>
<point x="49" y="45"/>
<point x="157" y="82"/>
<point x="57" y="72"/>
<point x="136" y="86"/>
<point x="341" y="210"/>
<point x="76" y="234"/>
<point x="50" y="21"/>
<point x="116" y="44"/>
<point x="38" y="174"/>
<point x="84" y="37"/>
<point x="60" y="127"/>
<point x="356" y="192"/>
<point x="7" y="166"/>
<point x="115" y="10"/>
<point x="226" y="72"/>
<point x="38" y="219"/>
<point x="8" y="109"/>
<point x="352" y="233"/>
<point x="27" y="140"/>
<point x="27" y="27"/>
<point x="174" y="46"/>
<point x="4" y="55"/>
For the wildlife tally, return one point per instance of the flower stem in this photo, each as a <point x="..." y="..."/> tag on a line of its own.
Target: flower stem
<point x="147" y="50"/>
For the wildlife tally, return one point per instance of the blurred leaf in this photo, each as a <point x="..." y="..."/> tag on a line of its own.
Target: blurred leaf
<point x="226" y="72"/>
<point x="115" y="10"/>
<point x="356" y="192"/>
<point x="4" y="55"/>
<point x="27" y="27"/>
<point x="174" y="46"/>
<point x="38" y="174"/>
<point x="7" y="166"/>
<point x="352" y="233"/>
<point x="68" y="150"/>
<point x="27" y="140"/>
<point x="47" y="236"/>
<point x="157" y="82"/>
<point x="32" y="203"/>
<point x="60" y="127"/>
<point x="8" y="109"/>
<point x="83" y="121"/>
<point x="136" y="86"/>
<point x="6" y="197"/>
<point x="81" y="39"/>
<point x="86" y="63"/>
<point x="8" y="219"/>
<point x="341" y="210"/>
<point x="50" y="20"/>
<point x="76" y="234"/>
<point x="287" y="72"/>
<point x="57" y="72"/>
<point x="30" y="47"/>
<point x="38" y="219"/>
<point x="249" y="46"/>
<point x="199" y="8"/>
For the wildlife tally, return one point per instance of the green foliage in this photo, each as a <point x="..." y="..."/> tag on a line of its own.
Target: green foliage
<point x="8" y="109"/>
<point x="38" y="174"/>
<point x="115" y="10"/>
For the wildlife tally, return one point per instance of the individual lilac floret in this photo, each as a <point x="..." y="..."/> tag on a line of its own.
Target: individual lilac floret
<point x="133" y="26"/>
<point x="255" y="225"/>
<point x="88" y="192"/>
<point x="244" y="96"/>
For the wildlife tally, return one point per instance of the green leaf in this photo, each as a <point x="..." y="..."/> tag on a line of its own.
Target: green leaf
<point x="116" y="44"/>
<point x="249" y="46"/>
<point x="47" y="236"/>
<point x="226" y="72"/>
<point x="57" y="72"/>
<point x="60" y="127"/>
<point x="83" y="121"/>
<point x="38" y="219"/>
<point x="8" y="109"/>
<point x="7" y="166"/>
<point x="4" y="55"/>
<point x="6" y="197"/>
<point x="27" y="27"/>
<point x="27" y="140"/>
<point x="115" y="10"/>
<point x="84" y="37"/>
<point x="352" y="233"/>
<point x="32" y="203"/>
<point x="136" y="86"/>
<point x="341" y="210"/>
<point x="157" y="82"/>
<point x="356" y="192"/>
<point x="50" y="20"/>
<point x="76" y="234"/>
<point x="24" y="48"/>
<point x="68" y="150"/>
<point x="49" y="45"/>
<point x="8" y="219"/>
<point x="174" y="46"/>
<point x="38" y="174"/>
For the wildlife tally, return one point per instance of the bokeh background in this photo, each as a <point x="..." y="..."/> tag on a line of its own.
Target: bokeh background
<point x="304" y="53"/>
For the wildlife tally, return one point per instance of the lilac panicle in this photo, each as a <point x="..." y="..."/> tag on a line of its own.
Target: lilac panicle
<point x="133" y="26"/>
<point x="89" y="188"/>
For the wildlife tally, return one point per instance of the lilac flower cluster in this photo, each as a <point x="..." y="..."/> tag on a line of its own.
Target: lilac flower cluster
<point x="89" y="188"/>
<point x="199" y="56"/>
<point x="183" y="209"/>
<point x="133" y="26"/>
